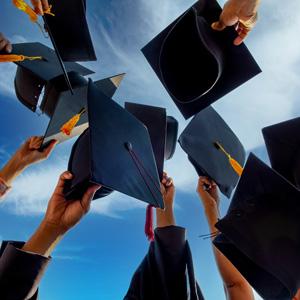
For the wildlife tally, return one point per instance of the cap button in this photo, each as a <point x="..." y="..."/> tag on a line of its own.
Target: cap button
<point x="128" y="146"/>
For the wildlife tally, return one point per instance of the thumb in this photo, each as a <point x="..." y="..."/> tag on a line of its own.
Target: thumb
<point x="228" y="17"/>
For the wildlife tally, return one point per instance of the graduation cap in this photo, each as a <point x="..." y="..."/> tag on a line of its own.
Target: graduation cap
<point x="33" y="76"/>
<point x="68" y="112"/>
<point x="196" y="64"/>
<point x="117" y="153"/>
<point x="214" y="149"/>
<point x="261" y="231"/>
<point x="283" y="145"/>
<point x="163" y="131"/>
<point x="69" y="31"/>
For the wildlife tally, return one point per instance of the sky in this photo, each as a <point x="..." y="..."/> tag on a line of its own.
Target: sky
<point x="98" y="257"/>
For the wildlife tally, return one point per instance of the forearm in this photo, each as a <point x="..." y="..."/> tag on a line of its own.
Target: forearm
<point x="165" y="217"/>
<point x="235" y="284"/>
<point x="44" y="240"/>
<point x="11" y="170"/>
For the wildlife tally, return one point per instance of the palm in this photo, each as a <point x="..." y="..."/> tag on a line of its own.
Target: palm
<point x="67" y="213"/>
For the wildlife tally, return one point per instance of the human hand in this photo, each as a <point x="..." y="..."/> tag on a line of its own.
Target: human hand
<point x="208" y="192"/>
<point x="26" y="155"/>
<point x="63" y="214"/>
<point x="242" y="13"/>
<point x="166" y="217"/>
<point x="29" y="152"/>
<point x="5" y="44"/>
<point x="40" y="6"/>
<point x="167" y="190"/>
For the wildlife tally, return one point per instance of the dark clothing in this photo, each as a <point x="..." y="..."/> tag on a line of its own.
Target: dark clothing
<point x="20" y="272"/>
<point x="166" y="273"/>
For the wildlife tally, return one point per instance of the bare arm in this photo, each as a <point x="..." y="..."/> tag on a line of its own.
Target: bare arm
<point x="60" y="217"/>
<point x="26" y="155"/>
<point x="235" y="285"/>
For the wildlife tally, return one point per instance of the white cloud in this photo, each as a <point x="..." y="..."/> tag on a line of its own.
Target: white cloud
<point x="32" y="190"/>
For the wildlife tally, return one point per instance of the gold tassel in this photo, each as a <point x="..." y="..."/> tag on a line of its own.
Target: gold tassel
<point x="15" y="58"/>
<point x="22" y="5"/>
<point x="68" y="127"/>
<point x="234" y="164"/>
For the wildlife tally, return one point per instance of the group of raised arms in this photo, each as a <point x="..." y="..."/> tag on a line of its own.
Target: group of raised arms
<point x="166" y="272"/>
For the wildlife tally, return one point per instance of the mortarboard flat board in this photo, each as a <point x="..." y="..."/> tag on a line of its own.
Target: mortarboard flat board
<point x="260" y="233"/>
<point x="283" y="145"/>
<point x="196" y="64"/>
<point x="68" y="105"/>
<point x="120" y="153"/>
<point x="33" y="76"/>
<point x="163" y="131"/>
<point x="69" y="30"/>
<point x="199" y="140"/>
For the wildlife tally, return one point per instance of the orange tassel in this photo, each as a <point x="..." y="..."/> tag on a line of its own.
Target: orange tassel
<point x="49" y="12"/>
<point x="234" y="164"/>
<point x="22" y="5"/>
<point x="15" y="58"/>
<point x="68" y="127"/>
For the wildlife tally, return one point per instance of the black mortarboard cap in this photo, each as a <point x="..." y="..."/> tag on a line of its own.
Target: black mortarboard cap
<point x="199" y="140"/>
<point x="196" y="64"/>
<point x="120" y="155"/>
<point x="33" y="76"/>
<point x="261" y="231"/>
<point x="61" y="105"/>
<point x="163" y="131"/>
<point x="283" y="145"/>
<point x="69" y="30"/>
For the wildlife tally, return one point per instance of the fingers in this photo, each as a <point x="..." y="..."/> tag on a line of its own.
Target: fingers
<point x="35" y="142"/>
<point x="45" y="5"/>
<point x="5" y="44"/>
<point x="88" y="197"/>
<point x="61" y="181"/>
<point x="228" y="17"/>
<point x="167" y="181"/>
<point x="38" y="7"/>
<point x="205" y="183"/>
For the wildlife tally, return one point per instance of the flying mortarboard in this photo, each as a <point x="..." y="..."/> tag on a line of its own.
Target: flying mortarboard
<point x="261" y="231"/>
<point x="119" y="155"/>
<point x="33" y="76"/>
<point x="68" y="112"/>
<point x="69" y="31"/>
<point x="208" y="142"/>
<point x="196" y="64"/>
<point x="283" y="145"/>
<point x="163" y="131"/>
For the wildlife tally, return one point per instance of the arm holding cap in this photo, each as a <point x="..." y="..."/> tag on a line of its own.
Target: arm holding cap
<point x="242" y="14"/>
<point x="26" y="155"/>
<point x="236" y="286"/>
<point x="61" y="216"/>
<point x="166" y="217"/>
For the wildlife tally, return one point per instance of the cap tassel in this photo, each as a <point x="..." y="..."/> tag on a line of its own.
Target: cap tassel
<point x="22" y="5"/>
<point x="68" y="127"/>
<point x="149" y="223"/>
<point x="14" y="57"/>
<point x="234" y="164"/>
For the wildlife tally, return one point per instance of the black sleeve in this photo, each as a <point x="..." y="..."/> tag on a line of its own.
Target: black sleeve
<point x="20" y="272"/>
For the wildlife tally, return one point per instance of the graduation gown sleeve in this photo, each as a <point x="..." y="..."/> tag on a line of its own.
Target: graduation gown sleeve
<point x="166" y="272"/>
<point x="20" y="272"/>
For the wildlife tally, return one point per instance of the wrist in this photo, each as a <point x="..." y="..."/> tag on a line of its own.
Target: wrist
<point x="11" y="170"/>
<point x="44" y="239"/>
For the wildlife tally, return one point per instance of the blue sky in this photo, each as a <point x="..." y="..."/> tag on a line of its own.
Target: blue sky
<point x="98" y="257"/>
